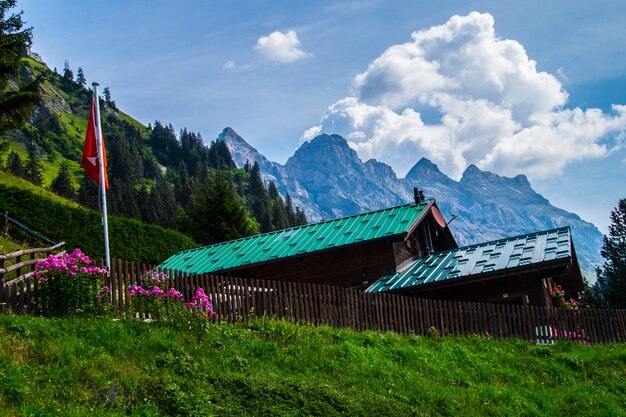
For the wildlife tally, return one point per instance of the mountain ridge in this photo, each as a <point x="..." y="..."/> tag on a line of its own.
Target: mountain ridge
<point x="328" y="178"/>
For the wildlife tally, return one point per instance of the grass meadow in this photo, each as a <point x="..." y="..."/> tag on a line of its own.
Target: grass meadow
<point x="102" y="367"/>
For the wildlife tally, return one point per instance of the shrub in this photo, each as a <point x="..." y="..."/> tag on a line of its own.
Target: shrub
<point x="150" y="298"/>
<point x="70" y="284"/>
<point x="78" y="227"/>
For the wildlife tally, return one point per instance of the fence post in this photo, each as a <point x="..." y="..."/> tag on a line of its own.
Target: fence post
<point x="6" y="223"/>
<point x="18" y="271"/>
<point x="2" y="260"/>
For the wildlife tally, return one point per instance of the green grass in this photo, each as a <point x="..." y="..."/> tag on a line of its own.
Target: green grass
<point x="38" y="66"/>
<point x="80" y="367"/>
<point x="13" y="181"/>
<point x="145" y="133"/>
<point x="9" y="246"/>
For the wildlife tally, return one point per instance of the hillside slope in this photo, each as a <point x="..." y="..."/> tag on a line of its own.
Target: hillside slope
<point x="90" y="367"/>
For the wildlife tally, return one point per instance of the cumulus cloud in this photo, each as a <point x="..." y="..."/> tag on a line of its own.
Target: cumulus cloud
<point x="280" y="47"/>
<point x="311" y="133"/>
<point x="492" y="107"/>
<point x="230" y="65"/>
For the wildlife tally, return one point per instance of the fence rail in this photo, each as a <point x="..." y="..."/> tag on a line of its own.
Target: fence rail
<point x="14" y="290"/>
<point x="237" y="299"/>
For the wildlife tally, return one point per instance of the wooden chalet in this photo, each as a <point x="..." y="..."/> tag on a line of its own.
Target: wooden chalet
<point x="405" y="250"/>
<point x="517" y="270"/>
<point x="353" y="251"/>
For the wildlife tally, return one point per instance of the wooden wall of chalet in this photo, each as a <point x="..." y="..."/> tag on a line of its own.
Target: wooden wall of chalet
<point x="356" y="266"/>
<point x="523" y="289"/>
<point x="353" y="266"/>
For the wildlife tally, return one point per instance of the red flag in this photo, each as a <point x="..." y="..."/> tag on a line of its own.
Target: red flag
<point x="90" y="153"/>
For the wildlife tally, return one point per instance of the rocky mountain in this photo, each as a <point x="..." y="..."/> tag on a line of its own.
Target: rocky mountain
<point x="328" y="179"/>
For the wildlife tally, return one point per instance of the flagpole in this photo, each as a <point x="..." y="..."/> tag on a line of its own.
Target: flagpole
<point x="103" y="195"/>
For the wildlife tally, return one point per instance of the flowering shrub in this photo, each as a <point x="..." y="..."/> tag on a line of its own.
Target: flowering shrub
<point x="69" y="284"/>
<point x="565" y="334"/>
<point x="571" y="304"/>
<point x="151" y="298"/>
<point x="201" y="304"/>
<point x="558" y="292"/>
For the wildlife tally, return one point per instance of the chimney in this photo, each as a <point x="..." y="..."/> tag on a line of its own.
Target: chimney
<point x="416" y="195"/>
<point x="421" y="195"/>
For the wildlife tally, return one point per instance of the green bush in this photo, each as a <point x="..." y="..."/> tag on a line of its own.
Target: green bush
<point x="70" y="284"/>
<point x="78" y="227"/>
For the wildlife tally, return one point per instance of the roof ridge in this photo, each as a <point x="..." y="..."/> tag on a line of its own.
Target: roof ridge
<point x="274" y="232"/>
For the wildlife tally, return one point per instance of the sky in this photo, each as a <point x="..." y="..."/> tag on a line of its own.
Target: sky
<point x="535" y="88"/>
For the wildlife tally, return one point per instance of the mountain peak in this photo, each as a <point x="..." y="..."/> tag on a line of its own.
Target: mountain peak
<point x="229" y="132"/>
<point x="472" y="171"/>
<point x="330" y="139"/>
<point x="326" y="148"/>
<point x="240" y="150"/>
<point x="423" y="167"/>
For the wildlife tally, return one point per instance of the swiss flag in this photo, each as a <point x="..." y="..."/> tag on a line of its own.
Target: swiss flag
<point x="90" y="150"/>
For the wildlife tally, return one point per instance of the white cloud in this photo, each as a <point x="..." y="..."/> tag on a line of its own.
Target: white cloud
<point x="496" y="110"/>
<point x="310" y="133"/>
<point x="280" y="47"/>
<point x="230" y="65"/>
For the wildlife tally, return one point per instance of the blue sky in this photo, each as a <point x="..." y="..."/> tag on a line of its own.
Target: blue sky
<point x="510" y="88"/>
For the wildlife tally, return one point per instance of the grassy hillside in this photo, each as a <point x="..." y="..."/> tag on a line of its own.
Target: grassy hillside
<point x="90" y="367"/>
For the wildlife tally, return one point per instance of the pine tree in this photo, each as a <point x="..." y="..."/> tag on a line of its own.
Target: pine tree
<point x="121" y="199"/>
<point x="33" y="167"/>
<point x="278" y="212"/>
<point x="165" y="145"/>
<point x="220" y="157"/>
<point x="143" y="202"/>
<point x="62" y="183"/>
<point x="217" y="214"/>
<point x="15" y="166"/>
<point x="124" y="161"/>
<point x="88" y="194"/>
<point x="272" y="191"/>
<point x="611" y="285"/>
<point x="164" y="203"/>
<point x="291" y="215"/>
<point x="68" y="74"/>
<point x="182" y="188"/>
<point x="15" y="105"/>
<point x="279" y="216"/>
<point x="258" y="200"/>
<point x="80" y="77"/>
<point x="300" y="217"/>
<point x="107" y="97"/>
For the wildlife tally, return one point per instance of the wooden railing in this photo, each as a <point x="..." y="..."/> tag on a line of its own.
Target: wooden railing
<point x="23" y="267"/>
<point x="236" y="300"/>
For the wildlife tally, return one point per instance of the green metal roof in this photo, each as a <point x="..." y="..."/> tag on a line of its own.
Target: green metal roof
<point x="299" y="241"/>
<point x="465" y="262"/>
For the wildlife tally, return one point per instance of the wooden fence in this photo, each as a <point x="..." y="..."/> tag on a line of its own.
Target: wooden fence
<point x="12" y="285"/>
<point x="236" y="299"/>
